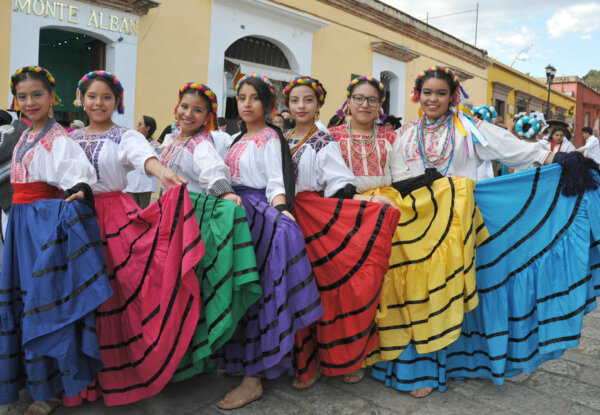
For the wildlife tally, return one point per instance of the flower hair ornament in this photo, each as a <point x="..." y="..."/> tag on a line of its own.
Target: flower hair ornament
<point x="308" y="81"/>
<point x="106" y="75"/>
<point x="208" y="93"/>
<point x="360" y="79"/>
<point x="486" y="113"/>
<point x="266" y="81"/>
<point x="459" y="92"/>
<point x="42" y="71"/>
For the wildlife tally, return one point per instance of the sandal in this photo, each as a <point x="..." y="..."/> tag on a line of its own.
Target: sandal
<point x="354" y="377"/>
<point x="235" y="404"/>
<point x="299" y="385"/>
<point x="421" y="393"/>
<point x="43" y="407"/>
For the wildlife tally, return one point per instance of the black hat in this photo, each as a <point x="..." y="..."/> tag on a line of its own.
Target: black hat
<point x="560" y="123"/>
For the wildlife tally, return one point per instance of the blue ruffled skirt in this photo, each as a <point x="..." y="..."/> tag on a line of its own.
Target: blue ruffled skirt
<point x="538" y="274"/>
<point x="53" y="278"/>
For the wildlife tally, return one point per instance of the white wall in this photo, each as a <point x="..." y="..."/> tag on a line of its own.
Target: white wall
<point x="231" y="20"/>
<point x="121" y="56"/>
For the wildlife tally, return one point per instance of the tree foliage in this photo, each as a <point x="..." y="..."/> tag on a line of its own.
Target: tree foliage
<point x="593" y="78"/>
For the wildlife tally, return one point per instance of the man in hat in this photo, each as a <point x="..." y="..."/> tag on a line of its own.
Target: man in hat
<point x="591" y="148"/>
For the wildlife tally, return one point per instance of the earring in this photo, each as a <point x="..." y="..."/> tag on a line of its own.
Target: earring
<point x="50" y="112"/>
<point x="317" y="115"/>
<point x="347" y="111"/>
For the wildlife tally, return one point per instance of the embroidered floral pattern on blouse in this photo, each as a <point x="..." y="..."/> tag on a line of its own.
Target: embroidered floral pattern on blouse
<point x="374" y="163"/>
<point x="317" y="141"/>
<point x="19" y="170"/>
<point x="170" y="154"/>
<point x="92" y="143"/>
<point x="236" y="151"/>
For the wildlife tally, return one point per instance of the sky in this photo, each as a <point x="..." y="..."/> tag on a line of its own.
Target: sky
<point x="527" y="34"/>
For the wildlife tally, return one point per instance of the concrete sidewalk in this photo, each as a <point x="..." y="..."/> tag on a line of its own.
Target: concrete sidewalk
<point x="569" y="385"/>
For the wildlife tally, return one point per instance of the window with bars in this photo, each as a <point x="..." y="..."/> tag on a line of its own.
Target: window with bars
<point x="257" y="50"/>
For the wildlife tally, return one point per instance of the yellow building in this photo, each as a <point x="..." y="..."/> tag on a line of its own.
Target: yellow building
<point x="156" y="48"/>
<point x="512" y="92"/>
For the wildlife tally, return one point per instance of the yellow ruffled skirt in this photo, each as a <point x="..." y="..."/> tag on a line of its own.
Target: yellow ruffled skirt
<point x="431" y="280"/>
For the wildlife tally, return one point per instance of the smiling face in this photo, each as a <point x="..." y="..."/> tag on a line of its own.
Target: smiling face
<point x="364" y="113"/>
<point x="99" y="102"/>
<point x="435" y="98"/>
<point x="303" y="104"/>
<point x="250" y="106"/>
<point x="34" y="100"/>
<point x="192" y="113"/>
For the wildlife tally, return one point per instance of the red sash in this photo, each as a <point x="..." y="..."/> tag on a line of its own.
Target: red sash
<point x="31" y="192"/>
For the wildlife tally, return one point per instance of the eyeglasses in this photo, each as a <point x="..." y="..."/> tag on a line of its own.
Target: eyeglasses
<point x="360" y="99"/>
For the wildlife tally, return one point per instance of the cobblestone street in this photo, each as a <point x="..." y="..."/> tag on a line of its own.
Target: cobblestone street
<point x="569" y="385"/>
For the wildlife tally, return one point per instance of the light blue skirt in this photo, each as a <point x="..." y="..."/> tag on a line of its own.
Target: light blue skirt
<point x="538" y="274"/>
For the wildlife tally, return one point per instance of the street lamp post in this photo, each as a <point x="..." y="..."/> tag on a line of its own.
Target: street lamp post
<point x="550" y="72"/>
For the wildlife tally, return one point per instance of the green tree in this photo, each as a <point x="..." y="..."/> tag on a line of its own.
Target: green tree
<point x="593" y="78"/>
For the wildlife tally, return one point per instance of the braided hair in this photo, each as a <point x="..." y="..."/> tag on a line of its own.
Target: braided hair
<point x="32" y="72"/>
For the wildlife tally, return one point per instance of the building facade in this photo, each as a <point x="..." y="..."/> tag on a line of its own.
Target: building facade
<point x="588" y="104"/>
<point x="156" y="48"/>
<point x="512" y="92"/>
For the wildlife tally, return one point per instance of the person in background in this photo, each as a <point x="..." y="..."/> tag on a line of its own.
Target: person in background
<point x="591" y="148"/>
<point x="221" y="139"/>
<point x="277" y="121"/>
<point x="140" y="186"/>
<point x="76" y="124"/>
<point x="392" y="122"/>
<point x="285" y="113"/>
<point x="222" y="124"/>
<point x="10" y="131"/>
<point x="559" y="140"/>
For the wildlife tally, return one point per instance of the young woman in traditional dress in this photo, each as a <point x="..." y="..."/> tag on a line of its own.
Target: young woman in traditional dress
<point x="531" y="297"/>
<point x="406" y="305"/>
<point x="348" y="243"/>
<point x="227" y="273"/>
<point x="144" y="329"/>
<point x="53" y="272"/>
<point x="262" y="174"/>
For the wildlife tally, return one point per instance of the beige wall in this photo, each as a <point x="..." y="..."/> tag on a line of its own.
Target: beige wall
<point x="344" y="48"/>
<point x="174" y="47"/>
<point x="5" y="69"/>
<point x="172" y="50"/>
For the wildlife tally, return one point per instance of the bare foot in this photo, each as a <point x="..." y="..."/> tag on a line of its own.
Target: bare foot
<point x="420" y="393"/>
<point x="355" y="376"/>
<point x="248" y="391"/>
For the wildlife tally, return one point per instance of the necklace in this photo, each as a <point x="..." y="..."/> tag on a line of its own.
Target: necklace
<point x="308" y="135"/>
<point x="363" y="142"/>
<point x="446" y="152"/>
<point x="26" y="145"/>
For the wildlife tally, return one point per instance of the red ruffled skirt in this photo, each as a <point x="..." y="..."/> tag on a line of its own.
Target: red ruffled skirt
<point x="349" y="243"/>
<point x="144" y="329"/>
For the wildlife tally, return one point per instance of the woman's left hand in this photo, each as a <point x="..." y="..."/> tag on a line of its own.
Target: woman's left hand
<point x="77" y="195"/>
<point x="170" y="179"/>
<point x="233" y="197"/>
